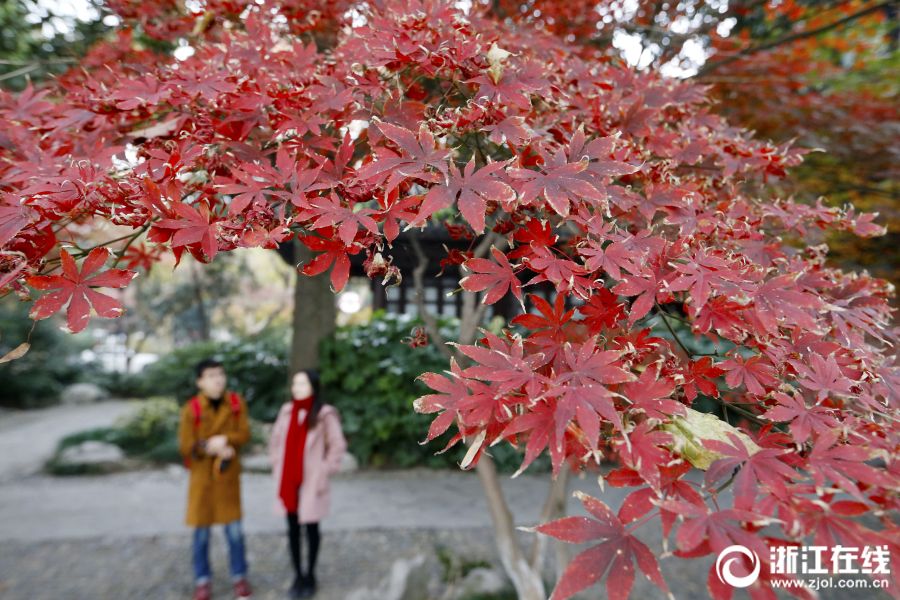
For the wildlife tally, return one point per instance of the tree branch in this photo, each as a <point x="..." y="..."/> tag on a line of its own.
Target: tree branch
<point x="554" y="508"/>
<point x="418" y="279"/>
<point x="709" y="67"/>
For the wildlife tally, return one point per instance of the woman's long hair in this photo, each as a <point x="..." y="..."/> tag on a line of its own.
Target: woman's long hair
<point x="318" y="399"/>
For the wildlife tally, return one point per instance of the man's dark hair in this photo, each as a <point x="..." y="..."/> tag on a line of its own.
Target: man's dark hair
<point x="206" y="363"/>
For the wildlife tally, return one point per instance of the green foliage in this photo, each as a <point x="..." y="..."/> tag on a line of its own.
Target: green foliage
<point x="151" y="425"/>
<point x="455" y="566"/>
<point x="100" y="434"/>
<point x="257" y="368"/>
<point x="55" y="467"/>
<point x="38" y="378"/>
<point x="369" y="374"/>
<point x="148" y="432"/>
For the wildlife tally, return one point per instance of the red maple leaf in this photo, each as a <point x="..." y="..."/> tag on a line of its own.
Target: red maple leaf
<point x="650" y="395"/>
<point x="804" y="419"/>
<point x="552" y="323"/>
<point x="763" y="466"/>
<point x="330" y="211"/>
<point x="540" y="423"/>
<point x="640" y="502"/>
<point x="619" y="549"/>
<point x="755" y="372"/>
<point x="722" y="315"/>
<point x="698" y="375"/>
<point x="470" y="190"/>
<point x="510" y="129"/>
<point x="333" y="252"/>
<point x="638" y="344"/>
<point x="641" y="451"/>
<point x="254" y="181"/>
<point x="535" y="234"/>
<point x="564" y="273"/>
<point x="453" y="390"/>
<point x="513" y="86"/>
<point x="422" y="155"/>
<point x="196" y="225"/>
<point x="560" y="184"/>
<point x="838" y="462"/>
<point x="505" y="364"/>
<point x="648" y="287"/>
<point x="74" y="288"/>
<point x="582" y="393"/>
<point x="611" y="259"/>
<point x="773" y="300"/>
<point x="602" y="311"/>
<point x="496" y="277"/>
<point x="14" y="217"/>
<point x="394" y="210"/>
<point x="824" y="377"/>
<point x="135" y="92"/>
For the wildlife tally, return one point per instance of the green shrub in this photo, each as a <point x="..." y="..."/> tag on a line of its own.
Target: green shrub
<point x="256" y="368"/>
<point x="151" y="425"/>
<point x="52" y="362"/>
<point x="369" y="374"/>
<point x="148" y="432"/>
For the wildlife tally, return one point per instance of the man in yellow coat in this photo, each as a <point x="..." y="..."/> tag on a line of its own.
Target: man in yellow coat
<point x="213" y="426"/>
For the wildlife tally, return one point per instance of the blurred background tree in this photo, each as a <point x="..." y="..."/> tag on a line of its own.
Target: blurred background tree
<point x="40" y="38"/>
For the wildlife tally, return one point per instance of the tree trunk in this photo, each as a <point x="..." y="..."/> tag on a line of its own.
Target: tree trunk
<point x="201" y="305"/>
<point x="526" y="580"/>
<point x="554" y="508"/>
<point x="315" y="311"/>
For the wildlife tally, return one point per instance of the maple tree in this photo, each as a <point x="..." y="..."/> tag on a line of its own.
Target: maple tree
<point x="620" y="190"/>
<point x="820" y="72"/>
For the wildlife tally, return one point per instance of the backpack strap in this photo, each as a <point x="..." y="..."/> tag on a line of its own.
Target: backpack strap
<point x="235" y="405"/>
<point x="195" y="408"/>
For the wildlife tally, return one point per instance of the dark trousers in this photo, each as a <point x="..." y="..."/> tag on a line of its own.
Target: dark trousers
<point x="312" y="541"/>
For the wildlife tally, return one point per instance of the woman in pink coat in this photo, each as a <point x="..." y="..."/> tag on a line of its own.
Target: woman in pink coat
<point x="306" y="447"/>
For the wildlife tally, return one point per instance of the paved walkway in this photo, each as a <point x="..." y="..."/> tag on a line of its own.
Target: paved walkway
<point x="28" y="438"/>
<point x="47" y="508"/>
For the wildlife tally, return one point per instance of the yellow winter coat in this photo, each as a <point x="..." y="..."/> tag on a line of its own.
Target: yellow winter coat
<point x="213" y="500"/>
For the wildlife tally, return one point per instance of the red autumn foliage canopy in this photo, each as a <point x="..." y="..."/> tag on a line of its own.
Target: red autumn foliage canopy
<point x="618" y="188"/>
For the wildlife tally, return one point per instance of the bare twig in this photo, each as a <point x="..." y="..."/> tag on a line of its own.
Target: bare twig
<point x="418" y="279"/>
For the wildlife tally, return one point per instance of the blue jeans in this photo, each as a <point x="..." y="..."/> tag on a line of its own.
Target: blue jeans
<point x="235" y="536"/>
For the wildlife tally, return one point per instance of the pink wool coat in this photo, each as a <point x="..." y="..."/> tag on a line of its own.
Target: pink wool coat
<point x="325" y="446"/>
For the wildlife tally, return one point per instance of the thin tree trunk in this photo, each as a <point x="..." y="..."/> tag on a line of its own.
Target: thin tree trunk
<point x="554" y="508"/>
<point x="201" y="306"/>
<point x="526" y="580"/>
<point x="315" y="312"/>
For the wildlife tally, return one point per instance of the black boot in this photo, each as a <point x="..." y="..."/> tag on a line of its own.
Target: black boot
<point x="307" y="586"/>
<point x="297" y="586"/>
<point x="296" y="589"/>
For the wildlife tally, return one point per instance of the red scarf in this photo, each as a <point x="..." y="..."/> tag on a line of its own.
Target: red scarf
<point x="292" y="475"/>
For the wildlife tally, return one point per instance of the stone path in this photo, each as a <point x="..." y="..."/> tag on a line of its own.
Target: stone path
<point x="28" y="438"/>
<point x="52" y="508"/>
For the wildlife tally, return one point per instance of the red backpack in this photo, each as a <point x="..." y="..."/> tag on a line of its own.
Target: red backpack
<point x="194" y="403"/>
